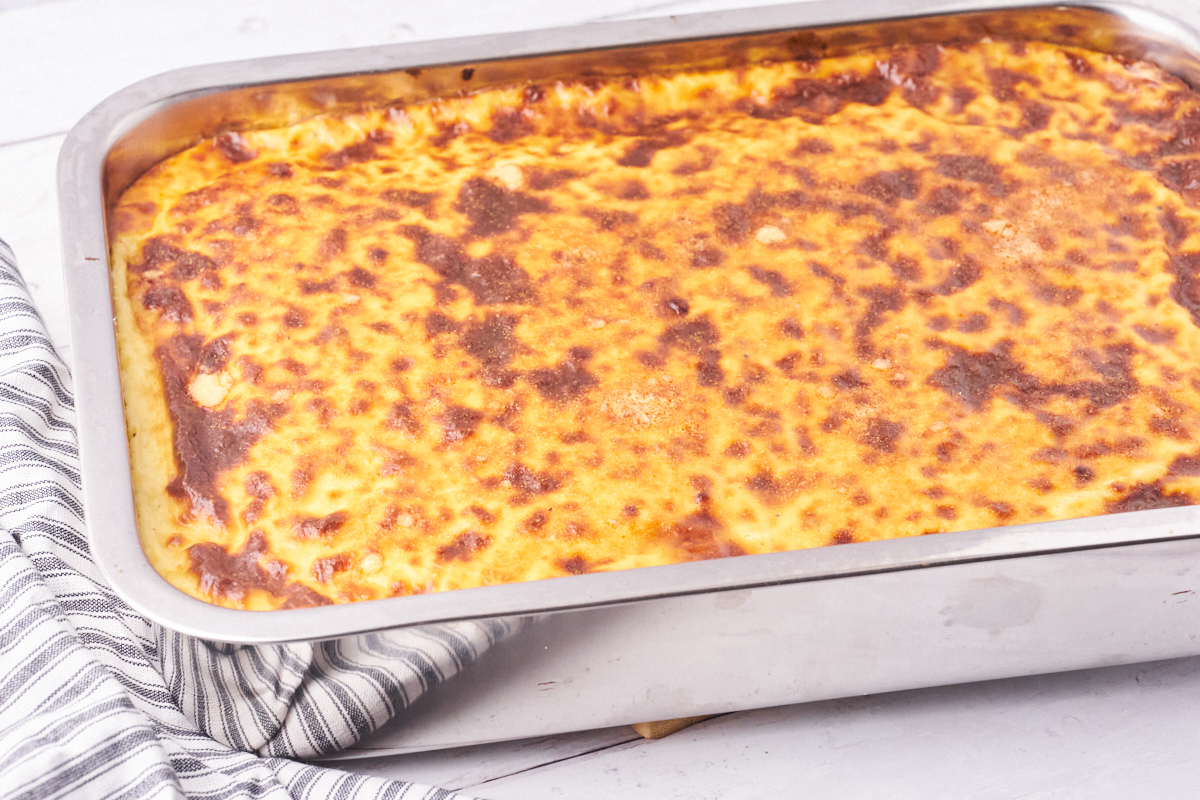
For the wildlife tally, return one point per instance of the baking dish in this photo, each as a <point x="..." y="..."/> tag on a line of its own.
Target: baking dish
<point x="786" y="602"/>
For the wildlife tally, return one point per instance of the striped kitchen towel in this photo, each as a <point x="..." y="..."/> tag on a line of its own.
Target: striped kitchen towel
<point x="98" y="702"/>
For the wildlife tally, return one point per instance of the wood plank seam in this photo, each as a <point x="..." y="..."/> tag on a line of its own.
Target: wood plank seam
<point x="634" y="740"/>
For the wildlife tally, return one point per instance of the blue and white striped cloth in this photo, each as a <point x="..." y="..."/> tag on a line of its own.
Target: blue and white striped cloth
<point x="98" y="702"/>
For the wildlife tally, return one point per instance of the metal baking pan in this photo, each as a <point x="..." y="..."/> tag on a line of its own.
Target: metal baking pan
<point x="688" y="638"/>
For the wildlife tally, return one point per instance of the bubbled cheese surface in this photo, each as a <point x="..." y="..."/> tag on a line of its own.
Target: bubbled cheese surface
<point x="553" y="329"/>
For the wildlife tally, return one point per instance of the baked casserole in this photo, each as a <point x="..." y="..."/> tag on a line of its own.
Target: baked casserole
<point x="543" y="330"/>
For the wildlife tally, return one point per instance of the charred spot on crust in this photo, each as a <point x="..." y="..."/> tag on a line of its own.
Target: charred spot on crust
<point x="295" y="318"/>
<point x="1079" y="65"/>
<point x="891" y="186"/>
<point x="449" y="133"/>
<point x="706" y="256"/>
<point x="464" y="547"/>
<point x="359" y="152"/>
<point x="323" y="409"/>
<point x="232" y="576"/>
<point x="157" y="252"/>
<point x="528" y="481"/>
<point x="170" y="301"/>
<point x="817" y="147"/>
<point x="772" y="490"/>
<point x="633" y="190"/>
<point x="849" y="379"/>
<point x="459" y="423"/>
<point x="215" y="354"/>
<point x="776" y="282"/>
<point x="1002" y="509"/>
<point x="436" y="324"/>
<point x="962" y="276"/>
<point x="708" y="370"/>
<point x="408" y="197"/>
<point x="317" y="287"/>
<point x="492" y="209"/>
<point x="735" y="395"/>
<point x="651" y="360"/>
<point x="1181" y="176"/>
<point x="694" y="336"/>
<point x="235" y="148"/>
<point x="566" y="381"/>
<point x="493" y="279"/>
<point x="323" y="569"/>
<point x="946" y="512"/>
<point x="700" y="537"/>
<point x="508" y="125"/>
<point x="610" y="219"/>
<point x="320" y="527"/>
<point x="737" y="449"/>
<point x="1005" y="81"/>
<point x="260" y="489"/>
<point x="881" y="300"/>
<point x="493" y="342"/>
<point x="815" y="99"/>
<point x="575" y="565"/>
<point x="540" y="180"/>
<point x="972" y="377"/>
<point x="362" y="278"/>
<point x="190" y="265"/>
<point x="1154" y="334"/>
<point x="642" y="152"/>
<point x="482" y="514"/>
<point x="974" y="169"/>
<point x="973" y="323"/>
<point x="1186" y="289"/>
<point x="207" y="442"/>
<point x="1017" y="316"/>
<point x="791" y="329"/>
<point x="401" y="417"/>
<point x="942" y="201"/>
<point x="735" y="221"/>
<point x="1035" y="117"/>
<point x="1170" y="428"/>
<point x="1051" y="294"/>
<point x="882" y="435"/>
<point x="1113" y="363"/>
<point x="677" y="306"/>
<point x="1148" y="495"/>
<point x="536" y="521"/>
<point x="1185" y="466"/>
<point x="333" y="245"/>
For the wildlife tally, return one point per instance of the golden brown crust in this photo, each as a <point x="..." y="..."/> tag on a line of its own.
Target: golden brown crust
<point x="547" y="330"/>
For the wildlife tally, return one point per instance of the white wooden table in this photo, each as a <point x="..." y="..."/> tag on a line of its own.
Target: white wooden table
<point x="1121" y="732"/>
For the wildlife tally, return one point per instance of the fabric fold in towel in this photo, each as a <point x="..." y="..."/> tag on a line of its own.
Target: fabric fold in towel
<point x="98" y="702"/>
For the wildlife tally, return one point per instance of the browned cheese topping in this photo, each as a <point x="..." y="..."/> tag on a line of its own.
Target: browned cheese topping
<point x="555" y="329"/>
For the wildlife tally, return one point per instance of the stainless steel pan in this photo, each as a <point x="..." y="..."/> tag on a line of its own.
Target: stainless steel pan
<point x="673" y="640"/>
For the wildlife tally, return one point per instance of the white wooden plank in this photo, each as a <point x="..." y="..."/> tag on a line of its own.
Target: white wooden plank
<point x="29" y="223"/>
<point x="469" y="766"/>
<point x="1108" y="734"/>
<point x="62" y="58"/>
